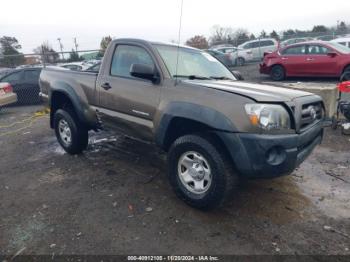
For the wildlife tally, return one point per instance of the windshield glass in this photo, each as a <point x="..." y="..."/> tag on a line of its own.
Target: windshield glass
<point x="192" y="62"/>
<point x="341" y="48"/>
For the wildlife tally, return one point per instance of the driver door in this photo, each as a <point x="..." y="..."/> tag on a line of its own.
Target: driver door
<point x="126" y="97"/>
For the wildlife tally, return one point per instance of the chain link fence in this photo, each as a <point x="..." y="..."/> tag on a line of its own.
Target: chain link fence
<point x="22" y="70"/>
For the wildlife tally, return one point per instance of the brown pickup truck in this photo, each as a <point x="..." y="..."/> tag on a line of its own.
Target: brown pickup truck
<point x="214" y="128"/>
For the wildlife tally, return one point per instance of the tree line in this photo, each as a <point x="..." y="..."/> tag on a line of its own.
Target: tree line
<point x="228" y="35"/>
<point x="10" y="55"/>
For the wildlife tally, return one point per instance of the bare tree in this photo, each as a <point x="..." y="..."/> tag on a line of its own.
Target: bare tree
<point x="47" y="53"/>
<point x="220" y="35"/>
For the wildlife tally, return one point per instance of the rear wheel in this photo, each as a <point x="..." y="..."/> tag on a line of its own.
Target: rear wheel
<point x="277" y="73"/>
<point x="240" y="61"/>
<point x="70" y="133"/>
<point x="199" y="174"/>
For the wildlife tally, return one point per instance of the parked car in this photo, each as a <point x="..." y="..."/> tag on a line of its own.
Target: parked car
<point x="75" y="66"/>
<point x="295" y="40"/>
<point x="260" y="46"/>
<point x="343" y="41"/>
<point x="25" y="83"/>
<point x="7" y="96"/>
<point x="214" y="128"/>
<point x="317" y="59"/>
<point x="239" y="55"/>
<point x="94" y="68"/>
<point x="5" y="71"/>
<point x="325" y="38"/>
<point x="226" y="59"/>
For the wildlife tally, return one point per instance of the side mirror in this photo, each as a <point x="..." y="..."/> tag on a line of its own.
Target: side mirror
<point x="332" y="54"/>
<point x="237" y="75"/>
<point x="143" y="71"/>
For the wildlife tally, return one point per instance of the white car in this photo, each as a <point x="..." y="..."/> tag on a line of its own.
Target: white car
<point x="239" y="55"/>
<point x="260" y="46"/>
<point x="343" y="41"/>
<point x="75" y="66"/>
<point x="295" y="40"/>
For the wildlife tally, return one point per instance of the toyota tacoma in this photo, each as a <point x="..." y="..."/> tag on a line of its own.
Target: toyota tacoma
<point x="214" y="128"/>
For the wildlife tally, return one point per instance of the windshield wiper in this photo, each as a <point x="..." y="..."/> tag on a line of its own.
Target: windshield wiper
<point x="191" y="77"/>
<point x="220" y="78"/>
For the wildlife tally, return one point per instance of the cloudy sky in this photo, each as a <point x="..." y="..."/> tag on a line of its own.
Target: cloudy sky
<point x="35" y="21"/>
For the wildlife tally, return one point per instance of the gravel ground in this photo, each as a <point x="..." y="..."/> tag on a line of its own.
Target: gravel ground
<point x="115" y="199"/>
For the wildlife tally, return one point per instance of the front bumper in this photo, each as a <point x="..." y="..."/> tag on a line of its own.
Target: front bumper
<point x="264" y="69"/>
<point x="263" y="156"/>
<point x="8" y="98"/>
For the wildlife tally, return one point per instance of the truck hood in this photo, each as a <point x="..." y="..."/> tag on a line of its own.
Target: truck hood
<point x="258" y="92"/>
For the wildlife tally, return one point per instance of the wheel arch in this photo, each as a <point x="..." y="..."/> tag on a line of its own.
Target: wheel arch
<point x="63" y="95"/>
<point x="180" y="118"/>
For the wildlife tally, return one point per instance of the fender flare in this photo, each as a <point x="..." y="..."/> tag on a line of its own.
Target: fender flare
<point x="190" y="111"/>
<point x="80" y="107"/>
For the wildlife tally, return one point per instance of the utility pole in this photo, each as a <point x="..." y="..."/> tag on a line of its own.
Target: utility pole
<point x="61" y="47"/>
<point x="76" y="44"/>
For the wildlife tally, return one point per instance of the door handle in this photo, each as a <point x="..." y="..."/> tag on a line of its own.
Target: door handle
<point x="106" y="86"/>
<point x="310" y="59"/>
<point x="284" y="58"/>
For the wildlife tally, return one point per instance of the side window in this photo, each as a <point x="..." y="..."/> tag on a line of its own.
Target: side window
<point x="269" y="43"/>
<point x="12" y="77"/>
<point x="254" y="44"/>
<point x="317" y="50"/>
<point x="247" y="46"/>
<point x="126" y="55"/>
<point x="31" y="75"/>
<point x="295" y="50"/>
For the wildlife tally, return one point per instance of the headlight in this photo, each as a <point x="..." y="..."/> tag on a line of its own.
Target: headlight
<point x="268" y="117"/>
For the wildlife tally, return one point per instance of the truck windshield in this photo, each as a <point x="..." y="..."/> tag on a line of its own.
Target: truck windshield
<point x="193" y="64"/>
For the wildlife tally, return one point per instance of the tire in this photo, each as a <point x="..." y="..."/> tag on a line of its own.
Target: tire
<point x="346" y="74"/>
<point x="67" y="125"/>
<point x="240" y="61"/>
<point x="223" y="179"/>
<point x="277" y="73"/>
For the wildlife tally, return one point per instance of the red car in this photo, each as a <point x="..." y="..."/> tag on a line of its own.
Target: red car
<point x="315" y="59"/>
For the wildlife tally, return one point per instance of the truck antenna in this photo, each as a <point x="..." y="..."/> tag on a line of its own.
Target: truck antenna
<point x="178" y="41"/>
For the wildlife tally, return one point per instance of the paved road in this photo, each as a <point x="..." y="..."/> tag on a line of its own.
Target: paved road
<point x="115" y="199"/>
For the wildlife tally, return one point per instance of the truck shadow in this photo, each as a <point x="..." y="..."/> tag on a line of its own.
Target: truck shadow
<point x="278" y="200"/>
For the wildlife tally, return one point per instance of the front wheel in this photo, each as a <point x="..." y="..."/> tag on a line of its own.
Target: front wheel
<point x="70" y="133"/>
<point x="277" y="73"/>
<point x="199" y="174"/>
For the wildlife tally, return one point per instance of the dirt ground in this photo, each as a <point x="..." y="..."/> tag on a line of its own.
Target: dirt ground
<point x="115" y="199"/>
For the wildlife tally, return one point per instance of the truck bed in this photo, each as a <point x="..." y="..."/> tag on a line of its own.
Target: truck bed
<point x="84" y="83"/>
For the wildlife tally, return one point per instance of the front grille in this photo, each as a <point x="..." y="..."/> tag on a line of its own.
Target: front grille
<point x="310" y="114"/>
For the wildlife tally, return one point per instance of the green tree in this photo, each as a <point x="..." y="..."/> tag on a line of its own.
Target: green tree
<point x="274" y="35"/>
<point x="290" y="33"/>
<point x="104" y="44"/>
<point x="263" y="34"/>
<point x="74" y="56"/>
<point x="252" y="37"/>
<point x="319" y="29"/>
<point x="342" y="28"/>
<point x="9" y="54"/>
<point x="198" y="41"/>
